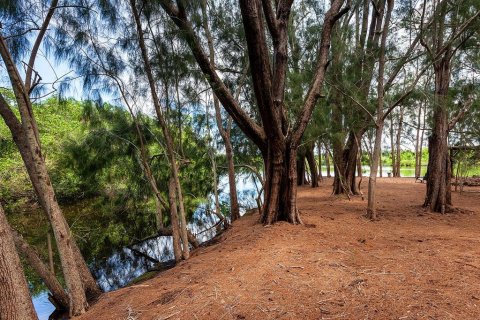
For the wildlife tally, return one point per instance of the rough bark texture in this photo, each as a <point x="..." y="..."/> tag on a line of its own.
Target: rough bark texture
<point x="438" y="196"/>
<point x="177" y="249"/>
<point x="312" y="165"/>
<point x="34" y="260"/>
<point x="28" y="144"/>
<point x="15" y="300"/>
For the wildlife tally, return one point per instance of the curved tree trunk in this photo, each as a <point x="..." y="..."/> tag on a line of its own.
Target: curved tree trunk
<point x="34" y="260"/>
<point x="15" y="300"/>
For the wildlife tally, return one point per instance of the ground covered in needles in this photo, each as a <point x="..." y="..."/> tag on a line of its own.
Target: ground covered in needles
<point x="411" y="264"/>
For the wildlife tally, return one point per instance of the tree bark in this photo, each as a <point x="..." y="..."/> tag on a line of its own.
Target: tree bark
<point x="15" y="300"/>
<point x="49" y="278"/>
<point x="301" y="170"/>
<point x="312" y="165"/>
<point x="418" y="154"/>
<point x="319" y="146"/>
<point x="438" y="196"/>
<point x="376" y="154"/>
<point x="177" y="249"/>
<point x="28" y="144"/>
<point x="327" y="161"/>
<point x="398" y="145"/>
<point x="392" y="146"/>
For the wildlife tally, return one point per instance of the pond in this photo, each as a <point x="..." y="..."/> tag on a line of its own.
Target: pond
<point x="124" y="265"/>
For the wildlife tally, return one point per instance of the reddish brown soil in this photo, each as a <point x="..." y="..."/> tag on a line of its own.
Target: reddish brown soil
<point x="409" y="265"/>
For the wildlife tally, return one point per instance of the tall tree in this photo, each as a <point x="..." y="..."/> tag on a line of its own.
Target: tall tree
<point x="26" y="136"/>
<point x="450" y="29"/>
<point x="277" y="139"/>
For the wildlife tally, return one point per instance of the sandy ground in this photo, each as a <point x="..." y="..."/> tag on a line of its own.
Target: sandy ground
<point x="409" y="265"/>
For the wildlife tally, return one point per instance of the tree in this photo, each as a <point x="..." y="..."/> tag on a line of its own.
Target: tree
<point x="26" y="136"/>
<point x="15" y="300"/>
<point x="449" y="31"/>
<point x="224" y="132"/>
<point x="277" y="140"/>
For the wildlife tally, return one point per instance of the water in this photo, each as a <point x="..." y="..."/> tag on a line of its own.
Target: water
<point x="125" y="265"/>
<point x="404" y="171"/>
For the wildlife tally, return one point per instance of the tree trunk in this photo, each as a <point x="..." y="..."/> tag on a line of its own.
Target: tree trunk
<point x="312" y="165"/>
<point x="327" y="161"/>
<point x="380" y="163"/>
<point x="172" y="199"/>
<point x="234" y="206"/>
<point x="280" y="184"/>
<point x="301" y="170"/>
<point x="15" y="300"/>
<point x="345" y="181"/>
<point x="418" y="154"/>
<point x="224" y="133"/>
<point x="398" y="145"/>
<point x="392" y="146"/>
<point x="438" y="196"/>
<point x="320" y="176"/>
<point x="34" y="260"/>
<point x="372" y="181"/>
<point x="165" y="130"/>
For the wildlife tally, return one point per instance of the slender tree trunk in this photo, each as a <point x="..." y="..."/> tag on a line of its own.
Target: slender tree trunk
<point x="398" y="144"/>
<point x="47" y="276"/>
<point x="15" y="300"/>
<point x="380" y="162"/>
<point x="165" y="130"/>
<point x="327" y="161"/>
<point x="301" y="170"/>
<point x="234" y="206"/>
<point x="421" y="139"/>
<point x="312" y="165"/>
<point x="28" y="143"/>
<point x="319" y="146"/>
<point x="417" y="144"/>
<point x="392" y="146"/>
<point x="177" y="249"/>
<point x="376" y="156"/>
<point x="224" y="133"/>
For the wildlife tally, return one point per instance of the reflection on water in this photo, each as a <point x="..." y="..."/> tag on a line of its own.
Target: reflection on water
<point x="128" y="263"/>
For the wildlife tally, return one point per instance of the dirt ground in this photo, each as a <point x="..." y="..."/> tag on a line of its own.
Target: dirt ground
<point x="409" y="265"/>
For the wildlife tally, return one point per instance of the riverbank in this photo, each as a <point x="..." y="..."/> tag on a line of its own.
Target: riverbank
<point x="411" y="264"/>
